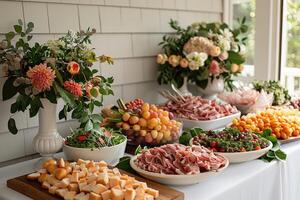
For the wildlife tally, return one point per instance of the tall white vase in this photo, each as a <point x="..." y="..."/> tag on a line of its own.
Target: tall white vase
<point x="47" y="141"/>
<point x="212" y="89"/>
<point x="184" y="89"/>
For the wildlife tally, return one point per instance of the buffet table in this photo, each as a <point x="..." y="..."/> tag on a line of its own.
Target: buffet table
<point x="250" y="180"/>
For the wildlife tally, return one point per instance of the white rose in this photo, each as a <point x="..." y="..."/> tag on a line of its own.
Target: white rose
<point x="196" y="60"/>
<point x="227" y="33"/>
<point x="242" y="49"/>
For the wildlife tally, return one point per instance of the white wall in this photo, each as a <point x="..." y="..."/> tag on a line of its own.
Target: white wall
<point x="128" y="30"/>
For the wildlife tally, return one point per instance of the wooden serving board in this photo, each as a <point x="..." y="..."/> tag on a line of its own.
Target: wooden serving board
<point x="34" y="190"/>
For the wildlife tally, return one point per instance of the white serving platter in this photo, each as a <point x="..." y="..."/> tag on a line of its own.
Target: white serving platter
<point x="169" y="179"/>
<point x="209" y="124"/>
<point x="239" y="157"/>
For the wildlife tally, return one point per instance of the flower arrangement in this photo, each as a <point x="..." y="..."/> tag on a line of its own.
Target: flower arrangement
<point x="60" y="68"/>
<point x="202" y="52"/>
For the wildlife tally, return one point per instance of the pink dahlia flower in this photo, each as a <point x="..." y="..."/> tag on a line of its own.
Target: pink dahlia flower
<point x="41" y="77"/>
<point x="73" y="87"/>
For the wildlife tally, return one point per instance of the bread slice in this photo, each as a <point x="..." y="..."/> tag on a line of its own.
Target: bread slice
<point x="69" y="195"/>
<point x="81" y="196"/>
<point x="106" y="195"/>
<point x="99" y="188"/>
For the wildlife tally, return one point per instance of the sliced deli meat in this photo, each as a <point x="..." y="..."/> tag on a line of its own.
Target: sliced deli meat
<point x="179" y="159"/>
<point x="197" y="108"/>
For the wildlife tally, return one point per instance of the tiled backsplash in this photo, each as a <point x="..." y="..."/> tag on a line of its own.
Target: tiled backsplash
<point x="128" y="30"/>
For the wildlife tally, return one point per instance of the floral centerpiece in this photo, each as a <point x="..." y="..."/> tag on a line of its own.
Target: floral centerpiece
<point x="39" y="74"/>
<point x="201" y="53"/>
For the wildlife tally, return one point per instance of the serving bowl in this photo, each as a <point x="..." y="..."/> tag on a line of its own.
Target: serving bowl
<point x="238" y="157"/>
<point x="171" y="179"/>
<point x="209" y="124"/>
<point x="110" y="154"/>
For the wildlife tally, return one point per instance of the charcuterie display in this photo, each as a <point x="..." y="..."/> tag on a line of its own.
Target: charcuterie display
<point x="197" y="108"/>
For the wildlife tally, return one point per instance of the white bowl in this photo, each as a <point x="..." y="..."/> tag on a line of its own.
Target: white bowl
<point x="110" y="154"/>
<point x="170" y="179"/>
<point x="238" y="157"/>
<point x="209" y="124"/>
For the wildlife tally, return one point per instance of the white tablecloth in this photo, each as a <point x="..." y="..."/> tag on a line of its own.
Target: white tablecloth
<point x="246" y="181"/>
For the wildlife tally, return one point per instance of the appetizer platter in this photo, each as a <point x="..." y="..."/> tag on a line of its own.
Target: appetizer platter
<point x="195" y="111"/>
<point x="233" y="144"/>
<point x="88" y="180"/>
<point x="176" y="164"/>
<point x="143" y="123"/>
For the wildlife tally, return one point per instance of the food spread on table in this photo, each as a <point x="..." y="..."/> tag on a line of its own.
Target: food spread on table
<point x="143" y="123"/>
<point x="230" y="140"/>
<point x="89" y="180"/>
<point x="284" y="122"/>
<point x="197" y="108"/>
<point x="179" y="159"/>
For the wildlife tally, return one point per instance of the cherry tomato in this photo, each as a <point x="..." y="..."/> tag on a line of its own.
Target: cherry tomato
<point x="213" y="144"/>
<point x="257" y="148"/>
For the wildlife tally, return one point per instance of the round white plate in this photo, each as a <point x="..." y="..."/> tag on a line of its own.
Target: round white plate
<point x="238" y="157"/>
<point x="169" y="179"/>
<point x="209" y="124"/>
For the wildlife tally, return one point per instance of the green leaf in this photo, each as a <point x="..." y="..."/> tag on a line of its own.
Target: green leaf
<point x="61" y="114"/>
<point x="88" y="126"/>
<point x="270" y="154"/>
<point x="280" y="155"/>
<point x="266" y="133"/>
<point x="124" y="164"/>
<point x="66" y="96"/>
<point x="236" y="57"/>
<point x="18" y="28"/>
<point x="51" y="96"/>
<point x="91" y="107"/>
<point x="138" y="150"/>
<point x="30" y="25"/>
<point x="98" y="103"/>
<point x="14" y="107"/>
<point x="185" y="138"/>
<point x="35" y="106"/>
<point x="10" y="35"/>
<point x="84" y="118"/>
<point x="8" y="89"/>
<point x="94" y="92"/>
<point x="96" y="118"/>
<point x="12" y="126"/>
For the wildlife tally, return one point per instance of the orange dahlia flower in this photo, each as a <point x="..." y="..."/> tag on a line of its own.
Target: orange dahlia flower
<point x="41" y="77"/>
<point x="73" y="87"/>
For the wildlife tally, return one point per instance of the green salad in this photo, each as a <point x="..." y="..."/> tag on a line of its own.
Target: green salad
<point x="104" y="137"/>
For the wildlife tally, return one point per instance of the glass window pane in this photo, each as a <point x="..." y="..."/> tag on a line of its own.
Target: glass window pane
<point x="240" y="9"/>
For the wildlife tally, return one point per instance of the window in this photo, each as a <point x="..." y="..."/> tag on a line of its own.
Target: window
<point x="238" y="10"/>
<point x="290" y="66"/>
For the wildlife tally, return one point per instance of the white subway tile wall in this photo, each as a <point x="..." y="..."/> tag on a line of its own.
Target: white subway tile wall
<point x="128" y="30"/>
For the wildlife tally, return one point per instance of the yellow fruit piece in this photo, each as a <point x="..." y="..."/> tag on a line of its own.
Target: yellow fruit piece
<point x="136" y="127"/>
<point x="160" y="135"/>
<point x="146" y="115"/>
<point x="133" y="119"/>
<point x="145" y="107"/>
<point x="125" y="126"/>
<point x="126" y="117"/>
<point x="167" y="134"/>
<point x="143" y="133"/>
<point x="154" y="134"/>
<point x="142" y="122"/>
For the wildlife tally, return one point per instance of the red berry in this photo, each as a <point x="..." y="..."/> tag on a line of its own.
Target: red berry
<point x="213" y="144"/>
<point x="81" y="138"/>
<point x="257" y="148"/>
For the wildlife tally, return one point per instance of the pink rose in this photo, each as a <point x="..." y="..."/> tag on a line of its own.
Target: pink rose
<point x="214" y="67"/>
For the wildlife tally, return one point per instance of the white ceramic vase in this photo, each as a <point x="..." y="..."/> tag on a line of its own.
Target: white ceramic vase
<point x="212" y="89"/>
<point x="184" y="88"/>
<point x="47" y="141"/>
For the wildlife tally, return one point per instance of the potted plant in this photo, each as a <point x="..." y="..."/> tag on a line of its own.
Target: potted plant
<point x="39" y="74"/>
<point x="207" y="54"/>
<point x="102" y="144"/>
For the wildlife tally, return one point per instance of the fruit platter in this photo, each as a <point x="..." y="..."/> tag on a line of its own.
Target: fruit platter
<point x="282" y="121"/>
<point x="233" y="144"/>
<point x="176" y="164"/>
<point x="195" y="111"/>
<point x="143" y="123"/>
